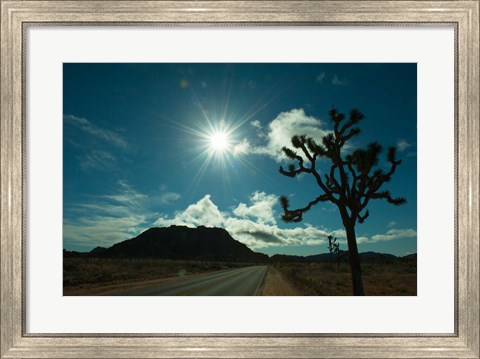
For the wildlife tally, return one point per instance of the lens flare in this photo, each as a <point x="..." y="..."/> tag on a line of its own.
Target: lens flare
<point x="219" y="141"/>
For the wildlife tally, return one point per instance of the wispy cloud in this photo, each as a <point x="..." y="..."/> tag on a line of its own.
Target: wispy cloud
<point x="101" y="230"/>
<point x="259" y="128"/>
<point x="256" y="124"/>
<point x="100" y="160"/>
<point x="107" y="219"/>
<point x="402" y="145"/>
<point x="168" y="197"/>
<point x="338" y="81"/>
<point x="320" y="77"/>
<point x="126" y="194"/>
<point x="85" y="125"/>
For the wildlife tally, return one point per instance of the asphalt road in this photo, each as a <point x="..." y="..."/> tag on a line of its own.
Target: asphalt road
<point x="237" y="282"/>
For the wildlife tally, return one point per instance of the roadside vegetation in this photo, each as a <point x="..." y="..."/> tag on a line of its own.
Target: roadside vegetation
<point x="86" y="273"/>
<point x="396" y="278"/>
<point x="285" y="277"/>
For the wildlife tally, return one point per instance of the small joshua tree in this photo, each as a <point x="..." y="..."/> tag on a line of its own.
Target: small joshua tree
<point x="351" y="182"/>
<point x="333" y="248"/>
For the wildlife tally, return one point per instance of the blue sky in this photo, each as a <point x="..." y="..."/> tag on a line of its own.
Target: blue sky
<point x="200" y="144"/>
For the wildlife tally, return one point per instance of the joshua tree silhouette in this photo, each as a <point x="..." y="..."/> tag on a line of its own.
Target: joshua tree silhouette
<point x="333" y="248"/>
<point x="352" y="181"/>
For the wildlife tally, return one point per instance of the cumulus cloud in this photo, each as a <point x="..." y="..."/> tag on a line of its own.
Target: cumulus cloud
<point x="280" y="131"/>
<point x="261" y="208"/>
<point x="241" y="148"/>
<point x="252" y="224"/>
<point x="202" y="213"/>
<point x="362" y="239"/>
<point x="126" y="213"/>
<point x="395" y="234"/>
<point x="85" y="125"/>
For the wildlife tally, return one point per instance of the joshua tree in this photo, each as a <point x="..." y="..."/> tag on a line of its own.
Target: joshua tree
<point x="351" y="182"/>
<point x="333" y="247"/>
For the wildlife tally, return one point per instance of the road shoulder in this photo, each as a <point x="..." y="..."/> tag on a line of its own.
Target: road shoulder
<point x="275" y="284"/>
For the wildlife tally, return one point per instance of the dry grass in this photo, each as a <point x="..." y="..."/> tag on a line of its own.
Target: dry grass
<point x="96" y="274"/>
<point x="389" y="279"/>
<point x="89" y="276"/>
<point x="275" y="284"/>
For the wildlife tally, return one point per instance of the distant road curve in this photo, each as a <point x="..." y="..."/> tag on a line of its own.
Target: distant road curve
<point x="238" y="282"/>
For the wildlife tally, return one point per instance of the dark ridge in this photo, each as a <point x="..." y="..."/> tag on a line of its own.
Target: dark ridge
<point x="209" y="244"/>
<point x="180" y="242"/>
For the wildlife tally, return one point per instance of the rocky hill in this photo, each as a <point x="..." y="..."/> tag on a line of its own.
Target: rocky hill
<point x="180" y="242"/>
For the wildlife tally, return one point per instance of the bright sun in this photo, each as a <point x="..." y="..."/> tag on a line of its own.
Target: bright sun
<point x="219" y="141"/>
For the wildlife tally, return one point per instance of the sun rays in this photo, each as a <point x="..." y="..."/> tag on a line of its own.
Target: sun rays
<point x="214" y="135"/>
<point x="219" y="142"/>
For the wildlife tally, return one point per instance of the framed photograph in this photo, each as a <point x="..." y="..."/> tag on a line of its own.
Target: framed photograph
<point x="239" y="179"/>
<point x="202" y="216"/>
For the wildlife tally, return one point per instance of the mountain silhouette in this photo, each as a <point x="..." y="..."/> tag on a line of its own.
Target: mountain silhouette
<point x="325" y="257"/>
<point x="180" y="242"/>
<point x="206" y="244"/>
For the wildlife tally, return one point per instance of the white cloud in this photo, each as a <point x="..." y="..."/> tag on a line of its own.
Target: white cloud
<point x="261" y="132"/>
<point x="252" y="225"/>
<point x="256" y="124"/>
<point x="202" y="213"/>
<point x="391" y="224"/>
<point x="362" y="239"/>
<point x="253" y="234"/>
<point x="395" y="234"/>
<point x="320" y="77"/>
<point x="241" y="148"/>
<point x="126" y="194"/>
<point x="111" y="218"/>
<point x="339" y="82"/>
<point x="402" y="145"/>
<point x="105" y="134"/>
<point x="261" y="208"/>
<point x="102" y="230"/>
<point x="281" y="130"/>
<point x="98" y="160"/>
<point x="115" y="217"/>
<point x="169" y="197"/>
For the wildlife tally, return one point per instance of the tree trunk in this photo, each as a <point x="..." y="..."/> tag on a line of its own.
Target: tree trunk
<point x="354" y="260"/>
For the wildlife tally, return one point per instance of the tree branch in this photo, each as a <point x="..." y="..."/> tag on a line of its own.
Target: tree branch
<point x="397" y="201"/>
<point x="296" y="215"/>
<point x="361" y="218"/>
<point x="355" y="117"/>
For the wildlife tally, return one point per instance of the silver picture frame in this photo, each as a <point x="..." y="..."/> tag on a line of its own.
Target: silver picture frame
<point x="16" y="16"/>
